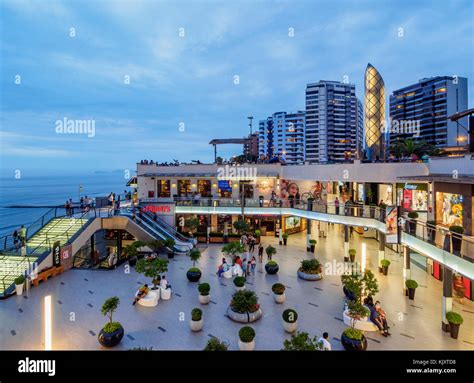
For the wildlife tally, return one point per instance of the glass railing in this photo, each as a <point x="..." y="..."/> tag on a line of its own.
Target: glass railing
<point x="170" y="229"/>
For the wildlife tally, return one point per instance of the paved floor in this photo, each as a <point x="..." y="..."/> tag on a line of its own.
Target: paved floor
<point x="79" y="294"/>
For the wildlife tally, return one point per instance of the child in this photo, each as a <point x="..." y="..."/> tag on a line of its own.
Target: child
<point x="249" y="268"/>
<point x="244" y="268"/>
<point x="253" y="264"/>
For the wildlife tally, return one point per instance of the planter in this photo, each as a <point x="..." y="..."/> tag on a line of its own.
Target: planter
<point x="385" y="270"/>
<point x="196" y="325"/>
<point x="170" y="254"/>
<point x="271" y="269"/>
<point x="354" y="345"/>
<point x="204" y="299"/>
<point x="352" y="257"/>
<point x="19" y="289"/>
<point x="290" y="327"/>
<point x="456" y="243"/>
<point x="311" y="248"/>
<point x="350" y="295"/>
<point x="193" y="276"/>
<point x="454" y="330"/>
<point x="246" y="317"/>
<point x="132" y="261"/>
<point x="279" y="298"/>
<point x="411" y="294"/>
<point x="309" y="277"/>
<point x="217" y="239"/>
<point x="110" y="339"/>
<point x="284" y="241"/>
<point x="237" y="288"/>
<point x="246" y="346"/>
<point x="412" y="227"/>
<point x="202" y="239"/>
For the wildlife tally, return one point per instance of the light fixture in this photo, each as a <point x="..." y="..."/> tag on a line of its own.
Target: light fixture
<point x="214" y="185"/>
<point x="363" y="258"/>
<point x="48" y="330"/>
<point x="173" y="185"/>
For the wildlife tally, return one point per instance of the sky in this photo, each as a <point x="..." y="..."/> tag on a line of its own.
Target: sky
<point x="160" y="79"/>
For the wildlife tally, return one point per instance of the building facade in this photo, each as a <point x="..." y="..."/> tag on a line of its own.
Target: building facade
<point x="419" y="111"/>
<point x="333" y="123"/>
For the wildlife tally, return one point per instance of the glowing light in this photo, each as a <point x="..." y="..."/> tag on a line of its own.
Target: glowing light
<point x="48" y="329"/>
<point x="363" y="262"/>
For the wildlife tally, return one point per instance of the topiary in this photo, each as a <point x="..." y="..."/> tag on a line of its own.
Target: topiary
<point x="196" y="315"/>
<point x="312" y="242"/>
<point x="278" y="288"/>
<point x="204" y="288"/>
<point x="194" y="270"/>
<point x="385" y="263"/>
<point x="301" y="341"/>
<point x="215" y="344"/>
<point x="246" y="334"/>
<point x="272" y="263"/>
<point x="454" y="318"/>
<point x="239" y="281"/>
<point x="411" y="284"/>
<point x="352" y="252"/>
<point x="19" y="280"/>
<point x="456" y="229"/>
<point x="353" y="333"/>
<point x="111" y="327"/>
<point x="413" y="215"/>
<point x="290" y="316"/>
<point x="310" y="266"/>
<point x="285" y="236"/>
<point x="244" y="301"/>
<point x="270" y="250"/>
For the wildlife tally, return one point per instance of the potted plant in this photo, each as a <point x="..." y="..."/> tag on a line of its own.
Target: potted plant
<point x="131" y="252"/>
<point x="258" y="234"/>
<point x="290" y="320"/>
<point x="385" y="263"/>
<point x="232" y="249"/>
<point x="246" y="339"/>
<point x="192" y="225"/>
<point x="194" y="274"/>
<point x="112" y="333"/>
<point x="455" y="320"/>
<point x="301" y="341"/>
<point x="19" y="284"/>
<point x="169" y="244"/>
<point x="413" y="215"/>
<point x="285" y="238"/>
<point x="239" y="283"/>
<point x="353" y="340"/>
<point x="312" y="245"/>
<point x="152" y="269"/>
<point x="204" y="295"/>
<point x="271" y="267"/>
<point x="215" y="344"/>
<point x="196" y="323"/>
<point x="411" y="286"/>
<point x="356" y="284"/>
<point x="241" y="226"/>
<point x="352" y="255"/>
<point x="244" y="307"/>
<point x="278" y="290"/>
<point x="456" y="239"/>
<point x="310" y="270"/>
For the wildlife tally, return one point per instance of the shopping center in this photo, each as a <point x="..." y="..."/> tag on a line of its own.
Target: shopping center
<point x="410" y="224"/>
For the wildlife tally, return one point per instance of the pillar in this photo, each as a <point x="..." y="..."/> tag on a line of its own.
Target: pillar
<point x="406" y="266"/>
<point x="381" y="247"/>
<point x="308" y="234"/>
<point x="119" y="243"/>
<point x="346" y="243"/>
<point x="280" y="230"/>
<point x="447" y="304"/>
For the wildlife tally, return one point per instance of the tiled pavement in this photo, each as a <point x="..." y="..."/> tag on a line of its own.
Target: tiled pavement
<point x="78" y="295"/>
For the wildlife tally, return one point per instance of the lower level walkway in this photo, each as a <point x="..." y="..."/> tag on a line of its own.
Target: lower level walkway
<point x="79" y="294"/>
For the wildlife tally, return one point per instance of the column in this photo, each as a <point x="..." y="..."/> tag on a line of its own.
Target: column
<point x="406" y="266"/>
<point x="447" y="304"/>
<point x="308" y="234"/>
<point x="381" y="248"/>
<point x="346" y="243"/>
<point x="280" y="230"/>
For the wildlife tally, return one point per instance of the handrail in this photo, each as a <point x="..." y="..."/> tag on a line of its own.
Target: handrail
<point x="172" y="230"/>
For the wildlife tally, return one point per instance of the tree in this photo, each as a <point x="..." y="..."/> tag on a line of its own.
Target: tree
<point x="152" y="269"/>
<point x="191" y="224"/>
<point x="109" y="307"/>
<point x="301" y="341"/>
<point x="241" y="226"/>
<point x="233" y="249"/>
<point x="131" y="250"/>
<point x="270" y="250"/>
<point x="361" y="285"/>
<point x="195" y="255"/>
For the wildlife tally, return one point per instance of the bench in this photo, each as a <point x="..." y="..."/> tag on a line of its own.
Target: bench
<point x="45" y="274"/>
<point x="363" y="324"/>
<point x="149" y="300"/>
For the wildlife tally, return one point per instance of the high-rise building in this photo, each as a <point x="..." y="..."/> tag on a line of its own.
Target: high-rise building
<point x="251" y="147"/>
<point x="283" y="135"/>
<point x="420" y="111"/>
<point x="334" y="130"/>
<point x="374" y="112"/>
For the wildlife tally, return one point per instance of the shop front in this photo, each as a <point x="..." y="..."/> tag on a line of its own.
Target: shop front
<point x="412" y="196"/>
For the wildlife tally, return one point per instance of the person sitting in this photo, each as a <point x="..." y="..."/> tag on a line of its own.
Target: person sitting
<point x="374" y="316"/>
<point x="164" y="283"/>
<point x="223" y="267"/>
<point x="142" y="293"/>
<point x="382" y="316"/>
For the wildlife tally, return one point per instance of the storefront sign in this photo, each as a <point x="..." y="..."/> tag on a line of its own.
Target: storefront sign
<point x="66" y="252"/>
<point x="56" y="254"/>
<point x="164" y="209"/>
<point x="391" y="224"/>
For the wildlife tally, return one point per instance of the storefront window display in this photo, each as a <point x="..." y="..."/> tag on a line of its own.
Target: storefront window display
<point x="412" y="196"/>
<point x="386" y="194"/>
<point x="164" y="190"/>
<point x="204" y="188"/>
<point x="449" y="209"/>
<point x="225" y="189"/>
<point x="184" y="188"/>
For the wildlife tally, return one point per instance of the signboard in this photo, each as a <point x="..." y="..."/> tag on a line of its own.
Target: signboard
<point x="391" y="224"/>
<point x="66" y="252"/>
<point x="56" y="254"/>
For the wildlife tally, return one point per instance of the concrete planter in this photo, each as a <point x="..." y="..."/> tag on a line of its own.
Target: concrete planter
<point x="196" y="325"/>
<point x="310" y="277"/>
<point x="246" y="317"/>
<point x="204" y="299"/>
<point x="279" y="298"/>
<point x="290" y="327"/>
<point x="246" y="346"/>
<point x="239" y="288"/>
<point x="19" y="289"/>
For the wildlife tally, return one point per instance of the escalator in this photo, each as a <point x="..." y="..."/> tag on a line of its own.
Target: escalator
<point x="155" y="230"/>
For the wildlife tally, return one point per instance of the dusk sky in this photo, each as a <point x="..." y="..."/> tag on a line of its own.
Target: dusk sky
<point x="182" y="59"/>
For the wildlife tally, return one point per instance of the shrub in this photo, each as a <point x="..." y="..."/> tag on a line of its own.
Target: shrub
<point x="204" y="288"/>
<point x="285" y="236"/>
<point x="357" y="283"/>
<point x="152" y="269"/>
<point x="411" y="284"/>
<point x="278" y="288"/>
<point x="313" y="242"/>
<point x="194" y="270"/>
<point x="357" y="310"/>
<point x="454" y="318"/>
<point x="233" y="248"/>
<point x="456" y="229"/>
<point x="290" y="316"/>
<point x="244" y="301"/>
<point x="258" y="233"/>
<point x="246" y="334"/>
<point x="385" y="263"/>
<point x="270" y="250"/>
<point x="272" y="263"/>
<point x="301" y="341"/>
<point x="169" y="243"/>
<point x="239" y="281"/>
<point x="111" y="327"/>
<point x="196" y="314"/>
<point x="241" y="226"/>
<point x="215" y="344"/>
<point x="353" y="333"/>
<point x="310" y="266"/>
<point x="352" y="251"/>
<point x="19" y="280"/>
<point x="413" y="215"/>
<point x="195" y="255"/>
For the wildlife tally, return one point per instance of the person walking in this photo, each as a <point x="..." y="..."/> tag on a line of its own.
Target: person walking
<point x="337" y="204"/>
<point x="325" y="342"/>
<point x="16" y="240"/>
<point x="260" y="252"/>
<point x="22" y="235"/>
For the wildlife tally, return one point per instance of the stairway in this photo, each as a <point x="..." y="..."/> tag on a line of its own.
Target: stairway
<point x="58" y="229"/>
<point x="13" y="265"/>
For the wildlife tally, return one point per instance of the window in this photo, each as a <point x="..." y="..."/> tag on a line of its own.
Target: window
<point x="184" y="188"/>
<point x="204" y="188"/>
<point x="164" y="190"/>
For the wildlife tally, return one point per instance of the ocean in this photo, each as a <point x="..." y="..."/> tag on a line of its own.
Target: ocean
<point x="49" y="191"/>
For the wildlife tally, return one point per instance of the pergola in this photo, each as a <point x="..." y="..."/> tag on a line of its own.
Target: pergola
<point x="222" y="141"/>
